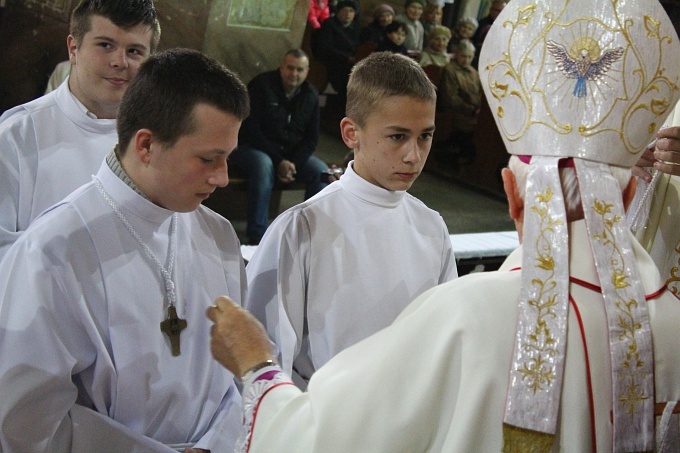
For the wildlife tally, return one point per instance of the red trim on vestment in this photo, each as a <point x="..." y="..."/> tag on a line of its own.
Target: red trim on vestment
<point x="257" y="407"/>
<point x="591" y="400"/>
<point x="597" y="289"/>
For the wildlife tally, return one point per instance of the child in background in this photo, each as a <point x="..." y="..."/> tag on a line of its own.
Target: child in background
<point x="396" y="36"/>
<point x="413" y="10"/>
<point x="460" y="92"/>
<point x="435" y="53"/>
<point x="318" y="12"/>
<point x="383" y="15"/>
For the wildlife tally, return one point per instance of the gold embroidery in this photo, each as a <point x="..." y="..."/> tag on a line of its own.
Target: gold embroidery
<point x="631" y="372"/>
<point x="674" y="278"/>
<point x="539" y="370"/>
<point x="652" y="27"/>
<point x="520" y="440"/>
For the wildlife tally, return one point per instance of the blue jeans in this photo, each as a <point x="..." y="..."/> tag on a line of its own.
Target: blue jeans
<point x="261" y="174"/>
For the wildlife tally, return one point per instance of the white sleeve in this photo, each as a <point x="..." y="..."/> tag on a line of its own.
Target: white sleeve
<point x="10" y="173"/>
<point x="277" y="284"/>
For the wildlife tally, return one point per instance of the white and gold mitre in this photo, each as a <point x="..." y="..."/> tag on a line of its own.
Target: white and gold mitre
<point x="581" y="78"/>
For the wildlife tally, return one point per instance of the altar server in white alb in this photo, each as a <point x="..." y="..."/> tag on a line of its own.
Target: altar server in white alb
<point x="572" y="346"/>
<point x="52" y="145"/>
<point x="337" y="268"/>
<point x="103" y="336"/>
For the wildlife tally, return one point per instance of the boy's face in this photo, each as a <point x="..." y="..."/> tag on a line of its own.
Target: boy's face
<point x="464" y="58"/>
<point x="398" y="37"/>
<point x="414" y="11"/>
<point x="391" y="148"/>
<point x="346" y="15"/>
<point x="439" y="43"/>
<point x="105" y="62"/>
<point x="466" y="31"/>
<point x="385" y="19"/>
<point x="181" y="176"/>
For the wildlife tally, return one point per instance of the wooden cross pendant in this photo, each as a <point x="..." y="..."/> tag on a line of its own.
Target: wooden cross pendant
<point x="173" y="327"/>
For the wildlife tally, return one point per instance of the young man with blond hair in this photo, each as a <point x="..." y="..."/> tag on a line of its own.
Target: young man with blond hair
<point x="342" y="265"/>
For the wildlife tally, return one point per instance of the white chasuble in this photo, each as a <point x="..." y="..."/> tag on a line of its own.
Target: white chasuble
<point x="436" y="379"/>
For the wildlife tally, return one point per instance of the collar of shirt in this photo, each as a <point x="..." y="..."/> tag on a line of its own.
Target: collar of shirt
<point x="360" y="188"/>
<point x="75" y="111"/>
<point x="117" y="168"/>
<point x="81" y="106"/>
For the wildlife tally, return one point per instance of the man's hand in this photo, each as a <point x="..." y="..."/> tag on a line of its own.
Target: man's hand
<point x="646" y="161"/>
<point x="238" y="340"/>
<point x="333" y="175"/>
<point x="663" y="155"/>
<point x="286" y="171"/>
<point x="667" y="151"/>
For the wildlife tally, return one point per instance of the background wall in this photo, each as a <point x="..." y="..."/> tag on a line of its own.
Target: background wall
<point x="248" y="36"/>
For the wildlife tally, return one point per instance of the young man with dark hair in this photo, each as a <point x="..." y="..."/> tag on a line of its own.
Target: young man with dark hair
<point x="52" y="145"/>
<point x="102" y="333"/>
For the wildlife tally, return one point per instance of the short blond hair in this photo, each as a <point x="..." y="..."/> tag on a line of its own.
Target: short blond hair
<point x="381" y="75"/>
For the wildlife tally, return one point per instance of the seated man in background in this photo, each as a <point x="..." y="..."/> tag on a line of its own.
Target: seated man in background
<point x="572" y="345"/>
<point x="342" y="265"/>
<point x="277" y="140"/>
<point x="53" y="144"/>
<point x="102" y="299"/>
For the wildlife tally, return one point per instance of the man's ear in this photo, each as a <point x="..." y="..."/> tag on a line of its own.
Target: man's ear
<point x="349" y="131"/>
<point x="515" y="201"/>
<point x="629" y="192"/>
<point x="143" y="141"/>
<point x="72" y="47"/>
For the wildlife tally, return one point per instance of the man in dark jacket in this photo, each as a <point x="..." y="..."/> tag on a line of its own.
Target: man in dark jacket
<point x="278" y="138"/>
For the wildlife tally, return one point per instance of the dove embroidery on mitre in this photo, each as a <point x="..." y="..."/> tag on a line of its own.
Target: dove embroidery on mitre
<point x="586" y="65"/>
